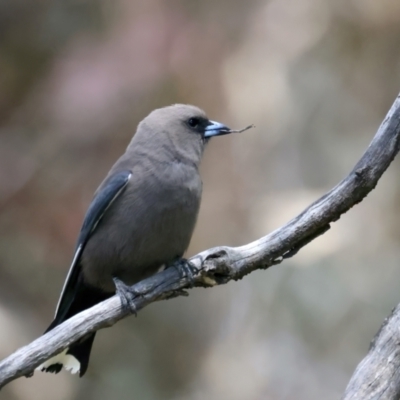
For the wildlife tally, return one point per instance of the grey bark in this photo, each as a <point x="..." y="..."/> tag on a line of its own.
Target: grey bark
<point x="378" y="374"/>
<point x="222" y="264"/>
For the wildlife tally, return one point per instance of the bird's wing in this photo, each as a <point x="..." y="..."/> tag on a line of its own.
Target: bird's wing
<point x="103" y="199"/>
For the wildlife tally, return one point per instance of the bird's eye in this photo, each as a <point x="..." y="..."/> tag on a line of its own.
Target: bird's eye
<point x="193" y="122"/>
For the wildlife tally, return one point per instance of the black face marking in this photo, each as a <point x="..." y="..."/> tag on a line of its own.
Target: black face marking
<point x="193" y="122"/>
<point x="197" y="124"/>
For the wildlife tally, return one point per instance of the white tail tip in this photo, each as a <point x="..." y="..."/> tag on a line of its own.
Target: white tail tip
<point x="68" y="361"/>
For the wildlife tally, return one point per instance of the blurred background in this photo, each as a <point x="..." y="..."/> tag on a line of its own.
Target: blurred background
<point x="315" y="77"/>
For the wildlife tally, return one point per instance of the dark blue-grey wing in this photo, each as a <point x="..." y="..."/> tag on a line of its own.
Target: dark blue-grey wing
<point x="103" y="199"/>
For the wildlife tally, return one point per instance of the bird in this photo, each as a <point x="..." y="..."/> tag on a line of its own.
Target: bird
<point x="140" y="220"/>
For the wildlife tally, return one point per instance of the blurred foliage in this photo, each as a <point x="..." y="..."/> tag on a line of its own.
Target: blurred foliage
<point x="315" y="77"/>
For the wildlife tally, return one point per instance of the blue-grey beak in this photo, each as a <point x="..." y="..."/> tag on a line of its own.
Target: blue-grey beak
<point x="216" y="129"/>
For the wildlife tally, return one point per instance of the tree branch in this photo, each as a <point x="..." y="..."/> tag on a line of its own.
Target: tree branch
<point x="378" y="374"/>
<point x="222" y="264"/>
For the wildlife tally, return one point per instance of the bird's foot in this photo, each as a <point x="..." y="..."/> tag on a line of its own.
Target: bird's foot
<point x="127" y="296"/>
<point x="185" y="268"/>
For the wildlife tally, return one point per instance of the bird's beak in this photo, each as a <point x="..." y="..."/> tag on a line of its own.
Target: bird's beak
<point x="216" y="129"/>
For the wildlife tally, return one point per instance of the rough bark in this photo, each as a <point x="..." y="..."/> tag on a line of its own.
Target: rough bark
<point x="378" y="374"/>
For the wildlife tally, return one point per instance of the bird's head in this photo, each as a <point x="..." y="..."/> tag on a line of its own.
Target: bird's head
<point x="180" y="131"/>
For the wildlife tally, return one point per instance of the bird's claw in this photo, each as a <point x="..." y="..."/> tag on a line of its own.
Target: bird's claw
<point x="186" y="269"/>
<point x="127" y="296"/>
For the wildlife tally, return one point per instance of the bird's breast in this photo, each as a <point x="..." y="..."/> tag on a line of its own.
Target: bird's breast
<point x="149" y="225"/>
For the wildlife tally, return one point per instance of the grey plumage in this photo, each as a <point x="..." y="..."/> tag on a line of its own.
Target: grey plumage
<point x="152" y="222"/>
<point x="142" y="216"/>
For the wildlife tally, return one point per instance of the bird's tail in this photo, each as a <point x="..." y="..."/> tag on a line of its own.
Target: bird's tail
<point x="76" y="357"/>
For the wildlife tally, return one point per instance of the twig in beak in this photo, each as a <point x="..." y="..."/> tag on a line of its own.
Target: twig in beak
<point x="241" y="130"/>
